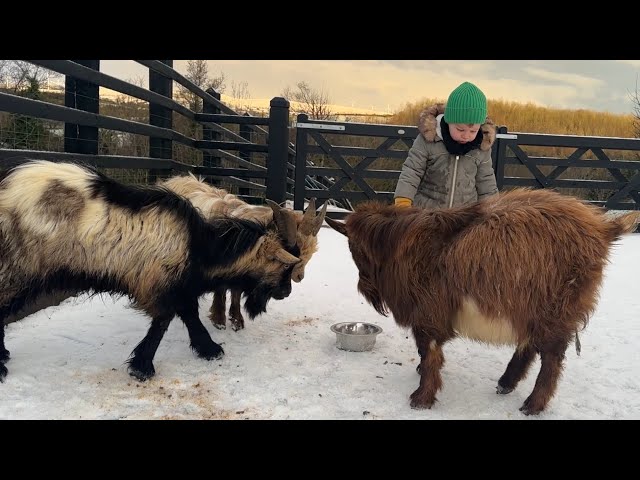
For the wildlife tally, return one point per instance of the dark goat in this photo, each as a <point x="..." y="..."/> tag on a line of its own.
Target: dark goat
<point x="68" y="227"/>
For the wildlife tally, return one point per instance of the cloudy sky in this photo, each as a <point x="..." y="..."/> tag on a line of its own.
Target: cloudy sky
<point x="385" y="85"/>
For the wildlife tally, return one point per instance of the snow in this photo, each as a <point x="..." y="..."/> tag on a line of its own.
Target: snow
<point x="68" y="361"/>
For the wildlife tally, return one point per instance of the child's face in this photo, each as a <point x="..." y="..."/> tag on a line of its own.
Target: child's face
<point x="462" y="132"/>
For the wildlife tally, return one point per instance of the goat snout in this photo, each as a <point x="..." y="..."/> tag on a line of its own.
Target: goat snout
<point x="281" y="293"/>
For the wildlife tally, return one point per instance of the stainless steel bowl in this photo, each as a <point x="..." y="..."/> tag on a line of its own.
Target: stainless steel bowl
<point x="355" y="336"/>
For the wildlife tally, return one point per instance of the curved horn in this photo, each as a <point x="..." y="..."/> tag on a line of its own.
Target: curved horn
<point x="309" y="225"/>
<point x="317" y="222"/>
<point x="285" y="221"/>
<point x="310" y="212"/>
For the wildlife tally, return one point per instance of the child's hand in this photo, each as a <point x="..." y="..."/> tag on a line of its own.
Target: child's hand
<point x="403" y="202"/>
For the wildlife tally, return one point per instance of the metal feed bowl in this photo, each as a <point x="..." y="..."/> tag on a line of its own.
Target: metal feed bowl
<point x="355" y="336"/>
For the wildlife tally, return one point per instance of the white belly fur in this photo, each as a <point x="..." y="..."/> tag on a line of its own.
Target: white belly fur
<point x="469" y="322"/>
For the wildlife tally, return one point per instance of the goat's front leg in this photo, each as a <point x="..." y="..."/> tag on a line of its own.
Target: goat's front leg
<point x="235" y="313"/>
<point x="201" y="341"/>
<point x="431" y="362"/>
<point x="217" y="310"/>
<point x="141" y="359"/>
<point x="4" y="353"/>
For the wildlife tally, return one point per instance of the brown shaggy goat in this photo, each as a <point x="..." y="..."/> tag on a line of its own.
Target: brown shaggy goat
<point x="523" y="267"/>
<point x="215" y="202"/>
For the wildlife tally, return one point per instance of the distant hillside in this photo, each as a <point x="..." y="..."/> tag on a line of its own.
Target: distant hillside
<point x="531" y="118"/>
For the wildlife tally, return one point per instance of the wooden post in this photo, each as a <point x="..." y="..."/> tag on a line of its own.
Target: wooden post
<point x="160" y="116"/>
<point x="81" y="95"/>
<point x="278" y="150"/>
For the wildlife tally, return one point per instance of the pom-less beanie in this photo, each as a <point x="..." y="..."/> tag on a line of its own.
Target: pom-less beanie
<point x="466" y="104"/>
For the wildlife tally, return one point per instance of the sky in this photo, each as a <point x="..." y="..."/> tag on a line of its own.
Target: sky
<point x="67" y="361"/>
<point x="388" y="85"/>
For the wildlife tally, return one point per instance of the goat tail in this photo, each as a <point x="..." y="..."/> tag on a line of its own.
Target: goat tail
<point x="622" y="224"/>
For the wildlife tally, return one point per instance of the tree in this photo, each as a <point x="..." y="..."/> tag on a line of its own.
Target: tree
<point x="314" y="103"/>
<point x="19" y="75"/>
<point x="198" y="73"/>
<point x="635" y="99"/>
<point x="26" y="132"/>
<point x="240" y="93"/>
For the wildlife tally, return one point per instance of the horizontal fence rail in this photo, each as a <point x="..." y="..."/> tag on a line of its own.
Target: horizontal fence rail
<point x="253" y="156"/>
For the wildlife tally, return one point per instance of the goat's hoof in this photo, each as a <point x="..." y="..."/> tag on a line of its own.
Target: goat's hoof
<point x="237" y="325"/>
<point x="500" y="390"/>
<point x="3" y="372"/>
<point x="212" y="352"/>
<point x="418" y="402"/>
<point x="142" y="374"/>
<point x="219" y="326"/>
<point x="528" y="409"/>
<point x="4" y="355"/>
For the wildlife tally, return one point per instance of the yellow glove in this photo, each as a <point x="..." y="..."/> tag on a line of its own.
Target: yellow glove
<point x="403" y="202"/>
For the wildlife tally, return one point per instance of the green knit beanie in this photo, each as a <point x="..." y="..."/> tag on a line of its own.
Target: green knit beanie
<point x="466" y="104"/>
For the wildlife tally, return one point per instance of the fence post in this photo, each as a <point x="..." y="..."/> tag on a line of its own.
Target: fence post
<point x="245" y="132"/>
<point x="498" y="153"/>
<point x="160" y="116"/>
<point x="301" y="164"/>
<point x="209" y="160"/>
<point x="81" y="95"/>
<point x="278" y="143"/>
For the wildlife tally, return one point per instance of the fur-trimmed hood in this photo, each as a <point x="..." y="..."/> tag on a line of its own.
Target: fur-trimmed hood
<point x="427" y="125"/>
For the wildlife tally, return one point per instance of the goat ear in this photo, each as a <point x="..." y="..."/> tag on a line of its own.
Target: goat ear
<point x="337" y="226"/>
<point x="285" y="257"/>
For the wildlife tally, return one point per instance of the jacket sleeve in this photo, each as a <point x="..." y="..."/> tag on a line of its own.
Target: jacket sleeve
<point x="485" y="176"/>
<point x="413" y="170"/>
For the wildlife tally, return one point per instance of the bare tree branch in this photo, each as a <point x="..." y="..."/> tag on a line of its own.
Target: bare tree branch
<point x="314" y="103"/>
<point x="635" y="99"/>
<point x="198" y="73"/>
<point x="20" y="74"/>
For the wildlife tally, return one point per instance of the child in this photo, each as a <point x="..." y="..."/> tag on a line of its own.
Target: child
<point x="449" y="163"/>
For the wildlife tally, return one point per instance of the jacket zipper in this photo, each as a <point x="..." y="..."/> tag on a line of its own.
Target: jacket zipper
<point x="453" y="181"/>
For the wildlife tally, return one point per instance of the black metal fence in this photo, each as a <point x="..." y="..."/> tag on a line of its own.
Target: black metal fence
<point x="252" y="156"/>
<point x="223" y="157"/>
<point x="368" y="168"/>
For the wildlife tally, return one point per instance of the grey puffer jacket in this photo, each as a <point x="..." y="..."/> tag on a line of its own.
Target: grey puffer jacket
<point x="432" y="177"/>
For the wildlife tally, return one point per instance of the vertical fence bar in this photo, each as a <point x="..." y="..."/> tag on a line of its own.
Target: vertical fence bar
<point x="209" y="160"/>
<point x="245" y="132"/>
<point x="301" y="164"/>
<point x="499" y="157"/>
<point x="160" y="116"/>
<point x="81" y="95"/>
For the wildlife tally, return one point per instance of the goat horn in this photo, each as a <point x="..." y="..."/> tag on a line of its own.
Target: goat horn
<point x="317" y="222"/>
<point x="285" y="221"/>
<point x="310" y="212"/>
<point x="309" y="225"/>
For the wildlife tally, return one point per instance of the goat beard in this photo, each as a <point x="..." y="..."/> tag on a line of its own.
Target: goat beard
<point x="256" y="300"/>
<point x="372" y="296"/>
